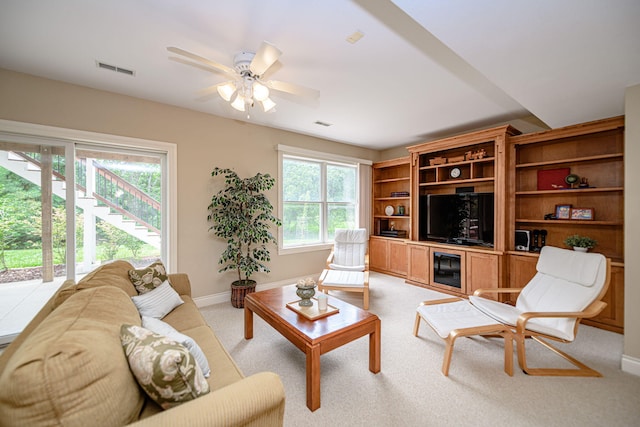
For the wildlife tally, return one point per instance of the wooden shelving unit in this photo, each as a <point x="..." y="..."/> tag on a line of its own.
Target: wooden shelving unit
<point x="473" y="162"/>
<point x="594" y="151"/>
<point x="390" y="178"/>
<point x="508" y="167"/>
<point x="479" y="162"/>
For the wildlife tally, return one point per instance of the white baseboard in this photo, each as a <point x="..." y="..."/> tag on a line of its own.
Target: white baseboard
<point x="631" y="365"/>
<point x="226" y="296"/>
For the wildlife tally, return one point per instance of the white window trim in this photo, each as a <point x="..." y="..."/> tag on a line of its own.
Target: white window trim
<point x="322" y="157"/>
<point x="35" y="131"/>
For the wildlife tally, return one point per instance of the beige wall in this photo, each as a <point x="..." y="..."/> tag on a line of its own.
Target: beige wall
<point x="631" y="351"/>
<point x="203" y="142"/>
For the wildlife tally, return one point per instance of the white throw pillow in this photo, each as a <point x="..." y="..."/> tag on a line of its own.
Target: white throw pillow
<point x="158" y="302"/>
<point x="163" y="328"/>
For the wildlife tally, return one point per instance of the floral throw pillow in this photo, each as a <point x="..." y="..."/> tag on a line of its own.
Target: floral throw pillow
<point x="162" y="328"/>
<point x="149" y="278"/>
<point x="165" y="369"/>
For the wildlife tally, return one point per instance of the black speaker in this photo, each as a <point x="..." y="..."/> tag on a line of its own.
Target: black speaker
<point x="523" y="240"/>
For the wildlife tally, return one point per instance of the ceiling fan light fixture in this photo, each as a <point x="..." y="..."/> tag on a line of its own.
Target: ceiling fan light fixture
<point x="226" y="91"/>
<point x="268" y="105"/>
<point x="238" y="103"/>
<point x="260" y="91"/>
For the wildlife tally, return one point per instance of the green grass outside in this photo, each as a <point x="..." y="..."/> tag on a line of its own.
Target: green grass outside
<point x="23" y="258"/>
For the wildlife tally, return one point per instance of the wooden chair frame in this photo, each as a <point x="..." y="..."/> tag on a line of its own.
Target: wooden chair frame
<point x="496" y="330"/>
<point x="520" y="333"/>
<point x="364" y="289"/>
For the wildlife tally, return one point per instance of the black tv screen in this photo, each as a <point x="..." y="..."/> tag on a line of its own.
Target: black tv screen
<point x="464" y="218"/>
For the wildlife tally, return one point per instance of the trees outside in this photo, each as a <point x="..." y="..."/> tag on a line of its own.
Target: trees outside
<point x="20" y="218"/>
<point x="111" y="239"/>
<point x="19" y="211"/>
<point x="310" y="192"/>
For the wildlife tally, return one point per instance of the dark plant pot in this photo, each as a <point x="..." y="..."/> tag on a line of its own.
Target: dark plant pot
<point x="239" y="289"/>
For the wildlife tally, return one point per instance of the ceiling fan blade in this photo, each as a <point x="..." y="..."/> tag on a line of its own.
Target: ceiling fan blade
<point x="293" y="89"/>
<point x="265" y="57"/>
<point x="211" y="89"/>
<point x="199" y="58"/>
<point x="194" y="64"/>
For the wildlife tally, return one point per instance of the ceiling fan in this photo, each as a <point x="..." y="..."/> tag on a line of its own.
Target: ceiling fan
<point x="246" y="86"/>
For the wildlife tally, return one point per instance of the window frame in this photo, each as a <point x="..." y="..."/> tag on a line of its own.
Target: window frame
<point x="324" y="159"/>
<point x="71" y="138"/>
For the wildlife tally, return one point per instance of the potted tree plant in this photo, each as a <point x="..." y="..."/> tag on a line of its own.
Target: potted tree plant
<point x="580" y="243"/>
<point x="242" y="215"/>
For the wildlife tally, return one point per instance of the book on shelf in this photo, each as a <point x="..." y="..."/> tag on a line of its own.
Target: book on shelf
<point x="399" y="194"/>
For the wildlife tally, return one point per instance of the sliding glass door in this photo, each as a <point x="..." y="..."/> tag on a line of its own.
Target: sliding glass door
<point x="66" y="207"/>
<point x="119" y="206"/>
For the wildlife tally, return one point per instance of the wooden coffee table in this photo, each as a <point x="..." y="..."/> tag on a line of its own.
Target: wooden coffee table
<point x="313" y="337"/>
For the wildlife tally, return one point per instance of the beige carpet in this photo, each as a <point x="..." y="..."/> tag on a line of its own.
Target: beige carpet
<point x="411" y="390"/>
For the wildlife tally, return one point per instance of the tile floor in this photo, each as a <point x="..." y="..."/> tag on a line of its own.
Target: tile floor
<point x="19" y="303"/>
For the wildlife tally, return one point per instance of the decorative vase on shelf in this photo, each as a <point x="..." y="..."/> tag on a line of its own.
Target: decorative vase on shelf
<point x="306" y="290"/>
<point x="579" y="249"/>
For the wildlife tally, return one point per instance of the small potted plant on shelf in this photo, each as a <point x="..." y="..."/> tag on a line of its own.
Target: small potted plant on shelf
<point x="242" y="215"/>
<point x="580" y="243"/>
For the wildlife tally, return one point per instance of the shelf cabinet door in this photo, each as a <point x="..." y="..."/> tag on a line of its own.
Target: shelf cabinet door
<point x="521" y="270"/>
<point x="388" y="256"/>
<point x="378" y="254"/>
<point x="418" y="268"/>
<point x="612" y="317"/>
<point x="483" y="272"/>
<point x="397" y="257"/>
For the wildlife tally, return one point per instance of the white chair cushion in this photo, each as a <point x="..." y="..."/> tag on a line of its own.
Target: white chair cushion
<point x="567" y="281"/>
<point x="563" y="328"/>
<point x="347" y="279"/>
<point x="444" y="318"/>
<point x="578" y="267"/>
<point x="349" y="249"/>
<point x="344" y="235"/>
<point x="334" y="266"/>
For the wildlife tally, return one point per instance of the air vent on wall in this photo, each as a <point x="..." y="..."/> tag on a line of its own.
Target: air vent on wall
<point x="106" y="66"/>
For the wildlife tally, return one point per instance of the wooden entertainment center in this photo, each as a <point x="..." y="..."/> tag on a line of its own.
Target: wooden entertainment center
<point x="527" y="175"/>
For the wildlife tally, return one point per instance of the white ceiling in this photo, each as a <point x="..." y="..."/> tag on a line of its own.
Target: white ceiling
<point x="424" y="69"/>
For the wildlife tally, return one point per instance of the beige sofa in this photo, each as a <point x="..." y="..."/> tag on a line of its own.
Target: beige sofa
<point x="68" y="366"/>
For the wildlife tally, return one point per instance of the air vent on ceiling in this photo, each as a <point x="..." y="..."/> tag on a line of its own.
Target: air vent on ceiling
<point x="325" y="124"/>
<point x="106" y="66"/>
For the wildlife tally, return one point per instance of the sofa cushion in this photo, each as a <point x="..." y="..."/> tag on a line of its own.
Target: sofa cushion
<point x="158" y="302"/>
<point x="71" y="368"/>
<point x="165" y="369"/>
<point x="185" y="316"/>
<point x="163" y="328"/>
<point x="113" y="274"/>
<point x="225" y="371"/>
<point x="148" y="278"/>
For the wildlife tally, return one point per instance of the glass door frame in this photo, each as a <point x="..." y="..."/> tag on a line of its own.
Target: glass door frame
<point x="47" y="135"/>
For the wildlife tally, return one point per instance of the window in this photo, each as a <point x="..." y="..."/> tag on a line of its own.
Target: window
<point x="318" y="196"/>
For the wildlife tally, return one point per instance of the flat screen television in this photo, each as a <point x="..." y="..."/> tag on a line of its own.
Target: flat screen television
<point x="462" y="218"/>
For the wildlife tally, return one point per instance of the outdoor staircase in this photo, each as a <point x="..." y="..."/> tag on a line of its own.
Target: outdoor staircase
<point x="96" y="203"/>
